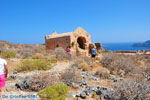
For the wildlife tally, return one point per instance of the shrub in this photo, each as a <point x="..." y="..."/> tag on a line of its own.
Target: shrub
<point x="61" y="54"/>
<point x="120" y="62"/>
<point x="83" y="63"/>
<point x="71" y="75"/>
<point x="106" y="51"/>
<point x="84" y="67"/>
<point x="131" y="90"/>
<point x="8" y="54"/>
<point x="28" y="50"/>
<point x="146" y="73"/>
<point x="25" y="53"/>
<point x="55" y="92"/>
<point x="53" y="60"/>
<point x="38" y="56"/>
<point x="38" y="81"/>
<point x="104" y="74"/>
<point x="34" y="64"/>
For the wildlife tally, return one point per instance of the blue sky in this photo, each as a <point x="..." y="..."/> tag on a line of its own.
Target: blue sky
<point x="28" y="21"/>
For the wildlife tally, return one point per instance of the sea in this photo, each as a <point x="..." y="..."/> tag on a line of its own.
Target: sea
<point x="122" y="46"/>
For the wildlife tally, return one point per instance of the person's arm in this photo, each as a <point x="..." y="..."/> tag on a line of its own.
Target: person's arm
<point x="6" y="70"/>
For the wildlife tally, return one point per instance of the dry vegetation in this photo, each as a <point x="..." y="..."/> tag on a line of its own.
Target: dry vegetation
<point x="38" y="82"/>
<point x="54" y="92"/>
<point x="137" y="85"/>
<point x="33" y="64"/>
<point x="132" y="90"/>
<point x="125" y="64"/>
<point x="135" y="69"/>
<point x="71" y="75"/>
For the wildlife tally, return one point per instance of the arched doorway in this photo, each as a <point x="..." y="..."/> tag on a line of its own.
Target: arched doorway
<point x="81" y="41"/>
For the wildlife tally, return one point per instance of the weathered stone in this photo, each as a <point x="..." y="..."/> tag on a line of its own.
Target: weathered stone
<point x="88" y="91"/>
<point x="74" y="85"/>
<point x="93" y="88"/>
<point x="98" y="92"/>
<point x="78" y="95"/>
<point x="83" y="95"/>
<point x="79" y="40"/>
<point x="84" y="82"/>
<point x="72" y="94"/>
<point x="94" y="78"/>
<point x="107" y="97"/>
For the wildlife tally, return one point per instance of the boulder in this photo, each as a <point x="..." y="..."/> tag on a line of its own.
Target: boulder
<point x="83" y="95"/>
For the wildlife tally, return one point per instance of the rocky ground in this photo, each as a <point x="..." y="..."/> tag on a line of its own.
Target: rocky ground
<point x="110" y="76"/>
<point x="89" y="87"/>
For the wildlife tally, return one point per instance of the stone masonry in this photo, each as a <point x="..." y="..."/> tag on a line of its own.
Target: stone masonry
<point x="79" y="40"/>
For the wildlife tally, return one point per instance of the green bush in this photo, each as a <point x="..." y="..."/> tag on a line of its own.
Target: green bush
<point x="38" y="56"/>
<point x="84" y="67"/>
<point x="34" y="64"/>
<point x="8" y="54"/>
<point x="53" y="60"/>
<point x="54" y="92"/>
<point x="106" y="51"/>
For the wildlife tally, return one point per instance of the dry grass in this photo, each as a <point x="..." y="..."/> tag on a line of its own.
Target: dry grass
<point x="33" y="64"/>
<point x="103" y="74"/>
<point x="61" y="54"/>
<point x="83" y="63"/>
<point x="38" y="82"/>
<point x="122" y="63"/>
<point x="71" y="75"/>
<point x="132" y="90"/>
<point x="38" y="56"/>
<point x="8" y="54"/>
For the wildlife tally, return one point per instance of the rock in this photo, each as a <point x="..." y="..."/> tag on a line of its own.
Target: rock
<point x="78" y="95"/>
<point x="93" y="88"/>
<point x="16" y="77"/>
<point x="72" y="94"/>
<point x="84" y="82"/>
<point x="103" y="88"/>
<point x="85" y="74"/>
<point x="98" y="92"/>
<point x="83" y="95"/>
<point x="107" y="97"/>
<point x="88" y="91"/>
<point x="24" y="84"/>
<point x="116" y="79"/>
<point x="94" y="78"/>
<point x="74" y="85"/>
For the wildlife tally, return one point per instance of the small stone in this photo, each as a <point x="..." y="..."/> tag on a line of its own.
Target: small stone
<point x="75" y="85"/>
<point x="83" y="95"/>
<point x="78" y="95"/>
<point x="107" y="97"/>
<point x="88" y="92"/>
<point x="94" y="78"/>
<point x="84" y="82"/>
<point x="93" y="88"/>
<point x="71" y="93"/>
<point x="98" y="92"/>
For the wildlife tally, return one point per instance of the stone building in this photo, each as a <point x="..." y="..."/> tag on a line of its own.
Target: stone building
<point x="79" y="40"/>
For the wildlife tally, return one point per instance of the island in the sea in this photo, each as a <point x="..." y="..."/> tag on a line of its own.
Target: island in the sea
<point x="145" y="44"/>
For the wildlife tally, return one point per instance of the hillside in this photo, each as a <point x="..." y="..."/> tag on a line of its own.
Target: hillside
<point x="55" y="74"/>
<point x="2" y="42"/>
<point x="145" y="44"/>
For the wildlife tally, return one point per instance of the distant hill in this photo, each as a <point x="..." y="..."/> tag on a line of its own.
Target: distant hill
<point x="145" y="44"/>
<point x="2" y="42"/>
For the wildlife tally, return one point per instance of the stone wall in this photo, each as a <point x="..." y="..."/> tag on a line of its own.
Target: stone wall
<point x="63" y="42"/>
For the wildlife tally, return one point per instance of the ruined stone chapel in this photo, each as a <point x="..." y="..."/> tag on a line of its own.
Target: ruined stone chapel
<point x="79" y="40"/>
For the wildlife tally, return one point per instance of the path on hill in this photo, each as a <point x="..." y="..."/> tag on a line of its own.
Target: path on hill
<point x="57" y="69"/>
